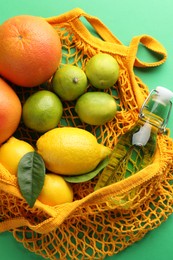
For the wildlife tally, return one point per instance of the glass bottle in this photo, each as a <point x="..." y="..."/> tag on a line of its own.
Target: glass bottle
<point x="136" y="148"/>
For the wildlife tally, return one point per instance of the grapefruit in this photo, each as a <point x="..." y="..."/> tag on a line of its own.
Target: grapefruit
<point x="10" y="111"/>
<point x="30" y="50"/>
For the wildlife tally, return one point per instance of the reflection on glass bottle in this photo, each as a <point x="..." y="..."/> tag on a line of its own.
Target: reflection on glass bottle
<point x="136" y="148"/>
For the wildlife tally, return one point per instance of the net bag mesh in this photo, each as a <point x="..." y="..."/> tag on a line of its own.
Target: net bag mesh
<point x="103" y="222"/>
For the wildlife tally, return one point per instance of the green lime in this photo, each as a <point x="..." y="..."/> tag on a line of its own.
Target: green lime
<point x="102" y="70"/>
<point x="69" y="82"/>
<point x="42" y="111"/>
<point x="96" y="108"/>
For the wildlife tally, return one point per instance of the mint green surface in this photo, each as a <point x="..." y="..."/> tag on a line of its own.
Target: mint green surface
<point x="126" y="19"/>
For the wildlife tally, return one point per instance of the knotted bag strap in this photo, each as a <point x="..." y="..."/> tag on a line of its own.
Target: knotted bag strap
<point x="73" y="17"/>
<point x="150" y="43"/>
<point x="133" y="61"/>
<point x="98" y="25"/>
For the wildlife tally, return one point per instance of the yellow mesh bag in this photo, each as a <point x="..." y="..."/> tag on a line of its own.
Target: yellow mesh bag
<point x="102" y="222"/>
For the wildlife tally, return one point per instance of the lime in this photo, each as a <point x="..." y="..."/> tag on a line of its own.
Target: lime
<point x="42" y="111"/>
<point x="96" y="108"/>
<point x="102" y="70"/>
<point x="69" y="82"/>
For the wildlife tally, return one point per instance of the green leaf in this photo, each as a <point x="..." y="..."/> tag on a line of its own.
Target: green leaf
<point x="88" y="176"/>
<point x="31" y="175"/>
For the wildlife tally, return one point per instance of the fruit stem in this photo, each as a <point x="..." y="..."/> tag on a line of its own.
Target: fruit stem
<point x="75" y="80"/>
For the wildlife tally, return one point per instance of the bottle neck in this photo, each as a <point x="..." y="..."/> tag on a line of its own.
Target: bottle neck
<point x="152" y="119"/>
<point x="154" y="113"/>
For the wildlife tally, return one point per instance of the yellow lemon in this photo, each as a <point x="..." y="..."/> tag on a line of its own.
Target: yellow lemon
<point x="55" y="190"/>
<point x="12" y="151"/>
<point x="70" y="150"/>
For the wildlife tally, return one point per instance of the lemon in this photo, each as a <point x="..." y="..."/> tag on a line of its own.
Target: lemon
<point x="69" y="82"/>
<point x="70" y="150"/>
<point x="55" y="190"/>
<point x="12" y="151"/>
<point x="102" y="70"/>
<point x="42" y="111"/>
<point x="96" y="108"/>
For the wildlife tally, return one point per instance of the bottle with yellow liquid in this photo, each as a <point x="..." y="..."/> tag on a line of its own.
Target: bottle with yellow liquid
<point x="136" y="148"/>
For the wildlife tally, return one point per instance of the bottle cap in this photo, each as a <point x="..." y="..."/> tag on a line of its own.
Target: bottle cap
<point x="164" y="95"/>
<point x="158" y="103"/>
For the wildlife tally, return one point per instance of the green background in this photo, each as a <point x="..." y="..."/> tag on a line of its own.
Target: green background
<point x="126" y="19"/>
